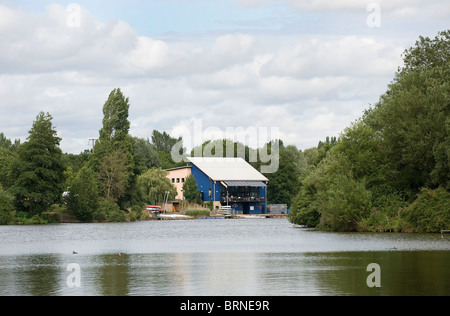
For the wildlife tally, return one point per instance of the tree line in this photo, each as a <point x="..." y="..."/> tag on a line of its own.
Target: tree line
<point x="390" y="169"/>
<point x="117" y="177"/>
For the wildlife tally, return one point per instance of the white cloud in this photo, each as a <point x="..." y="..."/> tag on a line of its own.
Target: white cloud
<point x="341" y="5"/>
<point x="148" y="54"/>
<point x="7" y="17"/>
<point x="406" y="12"/>
<point x="234" y="47"/>
<point x="349" y="55"/>
<point x="55" y="93"/>
<point x="308" y="86"/>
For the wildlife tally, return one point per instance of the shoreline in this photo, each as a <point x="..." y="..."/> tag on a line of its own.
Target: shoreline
<point x="64" y="218"/>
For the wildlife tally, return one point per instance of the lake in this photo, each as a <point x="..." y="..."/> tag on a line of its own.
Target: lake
<point x="232" y="257"/>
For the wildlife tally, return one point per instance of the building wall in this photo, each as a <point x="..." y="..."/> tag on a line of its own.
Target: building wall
<point x="177" y="177"/>
<point x="210" y="191"/>
<point x="207" y="188"/>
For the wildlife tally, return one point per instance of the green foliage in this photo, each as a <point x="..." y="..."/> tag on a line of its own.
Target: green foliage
<point x="113" y="175"/>
<point x="386" y="214"/>
<point x="145" y="156"/>
<point x="312" y="156"/>
<point x="284" y="183"/>
<point x="116" y="216"/>
<point x="154" y="184"/>
<point x="345" y="203"/>
<point x="136" y="213"/>
<point x="428" y="53"/>
<point x="225" y="148"/>
<point x="368" y="179"/>
<point x="6" y="208"/>
<point x="412" y="120"/>
<point x="430" y="211"/>
<point x="412" y="117"/>
<point x="83" y="198"/>
<point x="8" y="144"/>
<point x="209" y="204"/>
<point x="109" y="211"/>
<point x="298" y="159"/>
<point x="329" y="142"/>
<point x="6" y="161"/>
<point x="163" y="142"/>
<point x="113" y="158"/>
<point x="39" y="170"/>
<point x="364" y="149"/>
<point x="190" y="190"/>
<point x="51" y="217"/>
<point x="36" y="173"/>
<point x="331" y="191"/>
<point x="324" y="147"/>
<point x="115" y="118"/>
<point x="7" y="156"/>
<point x="304" y="210"/>
<point x="165" y="161"/>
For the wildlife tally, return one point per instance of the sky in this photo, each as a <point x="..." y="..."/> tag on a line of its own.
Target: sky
<point x="306" y="69"/>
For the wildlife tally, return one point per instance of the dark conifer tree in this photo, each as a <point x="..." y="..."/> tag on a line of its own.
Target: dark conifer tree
<point x="39" y="169"/>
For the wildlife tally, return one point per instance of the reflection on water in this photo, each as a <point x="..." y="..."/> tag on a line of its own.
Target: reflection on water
<point x="30" y="275"/>
<point x="242" y="274"/>
<point x="209" y="258"/>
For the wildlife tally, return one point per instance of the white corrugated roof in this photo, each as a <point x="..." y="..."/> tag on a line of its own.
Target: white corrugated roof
<point x="231" y="169"/>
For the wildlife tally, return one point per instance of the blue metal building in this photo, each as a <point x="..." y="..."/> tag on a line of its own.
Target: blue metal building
<point x="230" y="182"/>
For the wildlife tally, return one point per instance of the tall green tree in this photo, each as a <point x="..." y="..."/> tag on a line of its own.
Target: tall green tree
<point x="113" y="175"/>
<point x="163" y="142"/>
<point x="284" y="183"/>
<point x="368" y="157"/>
<point x="115" y="118"/>
<point x="7" y="143"/>
<point x="371" y="177"/>
<point x="113" y="156"/>
<point x="413" y="117"/>
<point x="39" y="169"/>
<point x="427" y="53"/>
<point x="145" y="156"/>
<point x="83" y="198"/>
<point x="190" y="190"/>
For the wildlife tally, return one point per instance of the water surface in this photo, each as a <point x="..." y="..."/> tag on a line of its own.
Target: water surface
<point x="262" y="257"/>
